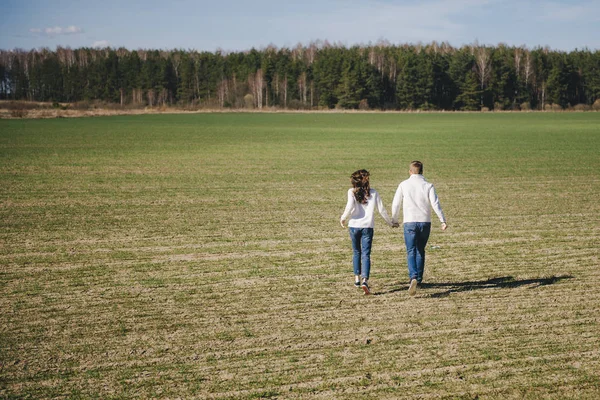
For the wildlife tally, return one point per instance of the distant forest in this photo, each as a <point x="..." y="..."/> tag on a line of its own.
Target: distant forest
<point x="318" y="76"/>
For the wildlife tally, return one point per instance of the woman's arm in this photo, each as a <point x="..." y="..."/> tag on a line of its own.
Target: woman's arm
<point x="349" y="208"/>
<point x="382" y="210"/>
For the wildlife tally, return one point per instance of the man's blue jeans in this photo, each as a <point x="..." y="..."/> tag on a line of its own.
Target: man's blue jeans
<point x="362" y="238"/>
<point x="416" y="235"/>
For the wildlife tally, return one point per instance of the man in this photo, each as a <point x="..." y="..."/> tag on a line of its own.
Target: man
<point x="417" y="196"/>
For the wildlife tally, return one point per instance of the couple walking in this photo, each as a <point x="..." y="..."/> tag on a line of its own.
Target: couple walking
<point x="416" y="196"/>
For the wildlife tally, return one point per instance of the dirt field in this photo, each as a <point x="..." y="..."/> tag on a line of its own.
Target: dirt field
<point x="200" y="256"/>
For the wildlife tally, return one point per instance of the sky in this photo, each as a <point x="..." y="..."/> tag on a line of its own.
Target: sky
<point x="240" y="25"/>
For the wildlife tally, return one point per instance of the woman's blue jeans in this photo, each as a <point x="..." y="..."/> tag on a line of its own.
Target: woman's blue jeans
<point x="416" y="235"/>
<point x="362" y="238"/>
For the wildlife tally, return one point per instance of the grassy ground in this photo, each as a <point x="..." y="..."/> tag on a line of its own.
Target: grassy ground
<point x="201" y="256"/>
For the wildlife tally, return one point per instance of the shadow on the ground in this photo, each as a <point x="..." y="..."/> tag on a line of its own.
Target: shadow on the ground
<point x="505" y="282"/>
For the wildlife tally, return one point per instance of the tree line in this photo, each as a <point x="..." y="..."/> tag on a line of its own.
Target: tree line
<point x="321" y="75"/>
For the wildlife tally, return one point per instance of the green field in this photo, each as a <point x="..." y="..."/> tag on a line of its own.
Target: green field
<point x="200" y="256"/>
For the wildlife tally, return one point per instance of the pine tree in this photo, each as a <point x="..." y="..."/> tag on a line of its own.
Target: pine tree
<point x="112" y="80"/>
<point x="350" y="89"/>
<point x="406" y="85"/>
<point x="185" y="87"/>
<point x="469" y="95"/>
<point x="503" y="79"/>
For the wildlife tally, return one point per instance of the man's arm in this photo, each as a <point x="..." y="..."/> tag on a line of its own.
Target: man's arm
<point x="435" y="204"/>
<point x="396" y="205"/>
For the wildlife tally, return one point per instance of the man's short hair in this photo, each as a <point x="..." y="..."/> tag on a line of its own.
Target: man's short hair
<point x="416" y="167"/>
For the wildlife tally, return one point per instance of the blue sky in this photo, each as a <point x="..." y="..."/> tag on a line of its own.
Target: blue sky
<point x="237" y="25"/>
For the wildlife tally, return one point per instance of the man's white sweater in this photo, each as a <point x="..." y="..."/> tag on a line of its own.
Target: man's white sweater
<point x="417" y="196"/>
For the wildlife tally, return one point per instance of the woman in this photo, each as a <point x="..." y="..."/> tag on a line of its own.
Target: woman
<point x="360" y="208"/>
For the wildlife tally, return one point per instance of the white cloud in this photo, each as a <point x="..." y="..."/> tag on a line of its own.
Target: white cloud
<point x="71" y="30"/>
<point x="101" y="43"/>
<point x="57" y="30"/>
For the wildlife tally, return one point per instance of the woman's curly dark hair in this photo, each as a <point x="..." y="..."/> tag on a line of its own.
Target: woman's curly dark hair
<point x="360" y="183"/>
